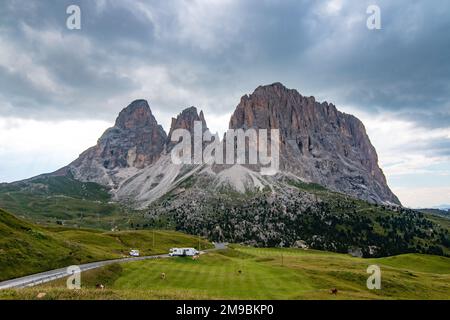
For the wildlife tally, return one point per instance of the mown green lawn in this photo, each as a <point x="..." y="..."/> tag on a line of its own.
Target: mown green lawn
<point x="252" y="273"/>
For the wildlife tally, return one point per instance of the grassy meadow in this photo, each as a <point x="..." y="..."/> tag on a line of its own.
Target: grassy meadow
<point x="50" y="200"/>
<point x="254" y="273"/>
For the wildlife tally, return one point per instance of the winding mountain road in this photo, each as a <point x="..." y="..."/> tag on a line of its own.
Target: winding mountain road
<point x="43" y="277"/>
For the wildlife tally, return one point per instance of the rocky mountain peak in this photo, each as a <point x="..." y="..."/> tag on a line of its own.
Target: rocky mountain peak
<point x="318" y="143"/>
<point x="276" y="88"/>
<point x="135" y="141"/>
<point x="186" y="119"/>
<point x="136" y="114"/>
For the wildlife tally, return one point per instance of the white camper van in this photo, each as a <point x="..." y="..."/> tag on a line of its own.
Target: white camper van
<point x="183" y="252"/>
<point x="134" y="253"/>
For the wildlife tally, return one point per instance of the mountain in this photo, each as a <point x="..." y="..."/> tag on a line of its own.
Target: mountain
<point x="135" y="142"/>
<point x="185" y="120"/>
<point x="443" y="207"/>
<point x="438" y="212"/>
<point x="329" y="192"/>
<point x="319" y="144"/>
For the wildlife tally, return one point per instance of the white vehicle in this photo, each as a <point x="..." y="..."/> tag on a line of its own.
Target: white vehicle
<point x="134" y="253"/>
<point x="183" y="252"/>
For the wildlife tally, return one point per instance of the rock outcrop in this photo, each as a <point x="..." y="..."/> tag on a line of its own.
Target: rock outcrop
<point x="318" y="143"/>
<point x="158" y="179"/>
<point x="135" y="141"/>
<point x="185" y="120"/>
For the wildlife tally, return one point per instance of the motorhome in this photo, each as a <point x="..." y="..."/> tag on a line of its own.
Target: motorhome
<point x="134" y="253"/>
<point x="183" y="252"/>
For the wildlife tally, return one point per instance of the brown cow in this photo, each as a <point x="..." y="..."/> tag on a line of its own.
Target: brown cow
<point x="334" y="291"/>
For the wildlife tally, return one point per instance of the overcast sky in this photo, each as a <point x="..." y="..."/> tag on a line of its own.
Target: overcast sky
<point x="60" y="88"/>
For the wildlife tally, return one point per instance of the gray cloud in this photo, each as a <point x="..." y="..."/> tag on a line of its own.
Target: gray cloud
<point x="211" y="53"/>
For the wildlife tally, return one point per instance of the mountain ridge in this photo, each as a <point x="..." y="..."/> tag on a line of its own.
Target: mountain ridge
<point x="319" y="144"/>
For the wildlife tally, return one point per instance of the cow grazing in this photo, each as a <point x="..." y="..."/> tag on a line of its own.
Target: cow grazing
<point x="163" y="276"/>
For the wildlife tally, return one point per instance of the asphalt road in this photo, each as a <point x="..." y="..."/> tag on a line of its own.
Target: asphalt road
<point x="39" y="278"/>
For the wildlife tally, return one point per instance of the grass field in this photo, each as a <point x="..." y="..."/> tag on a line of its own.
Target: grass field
<point x="50" y="200"/>
<point x="252" y="273"/>
<point x="26" y="248"/>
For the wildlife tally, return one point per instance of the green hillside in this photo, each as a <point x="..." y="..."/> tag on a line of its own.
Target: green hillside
<point x="66" y="201"/>
<point x="299" y="211"/>
<point x="254" y="273"/>
<point x="26" y="248"/>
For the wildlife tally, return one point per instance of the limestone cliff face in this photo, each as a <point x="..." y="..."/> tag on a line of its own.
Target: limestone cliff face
<point x="135" y="141"/>
<point x="318" y="143"/>
<point x="185" y="120"/>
